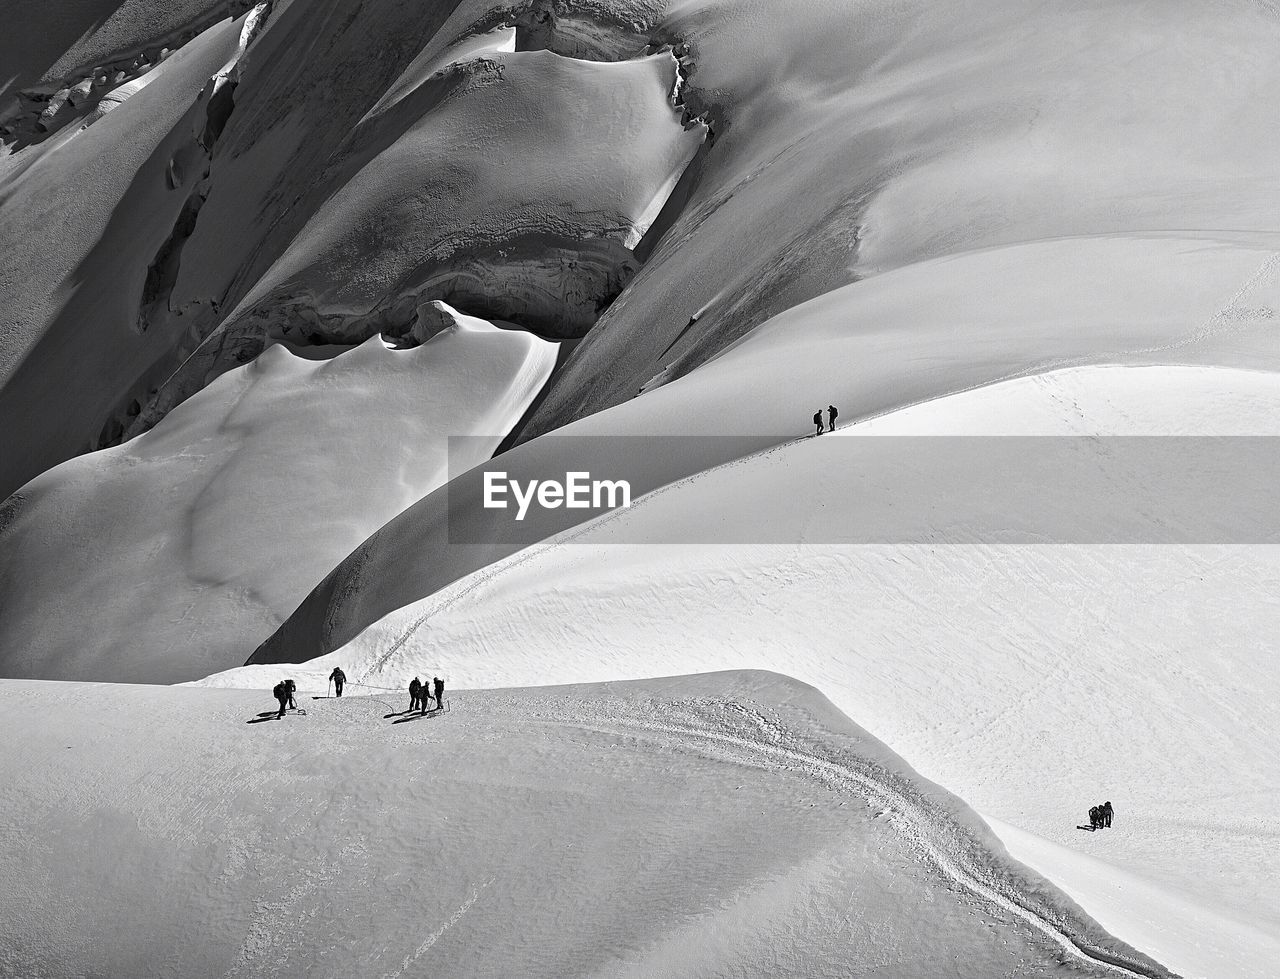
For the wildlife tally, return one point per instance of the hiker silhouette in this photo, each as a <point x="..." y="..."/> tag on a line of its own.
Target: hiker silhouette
<point x="817" y="421"/>
<point x="439" y="686"/>
<point x="338" y="678"/>
<point x="282" y="695"/>
<point x="415" y="693"/>
<point x="832" y="413"/>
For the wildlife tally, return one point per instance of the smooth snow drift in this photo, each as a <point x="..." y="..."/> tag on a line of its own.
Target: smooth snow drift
<point x="723" y="825"/>
<point x="162" y="559"/>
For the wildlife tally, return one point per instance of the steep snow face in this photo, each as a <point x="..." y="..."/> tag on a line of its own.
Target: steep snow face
<point x="88" y="214"/>
<point x="174" y="555"/>
<point x="53" y="44"/>
<point x="725" y="825"/>
<point x="430" y="62"/>
<point x="1032" y="679"/>
<point x="81" y="216"/>
<point x="483" y="169"/>
<point x="514" y="185"/>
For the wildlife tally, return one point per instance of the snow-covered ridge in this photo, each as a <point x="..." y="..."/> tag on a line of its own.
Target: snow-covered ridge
<point x="979" y="217"/>
<point x="753" y="829"/>
<point x="908" y="336"/>
<point x="1024" y="678"/>
<point x="106" y="65"/>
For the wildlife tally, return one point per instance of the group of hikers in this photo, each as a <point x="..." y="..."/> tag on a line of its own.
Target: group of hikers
<point x="1100" y="816"/>
<point x="284" y="691"/>
<point x="832" y="413"/>
<point x="419" y="692"/>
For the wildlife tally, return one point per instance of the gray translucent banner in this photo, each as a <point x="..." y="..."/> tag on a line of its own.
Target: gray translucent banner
<point x="838" y="489"/>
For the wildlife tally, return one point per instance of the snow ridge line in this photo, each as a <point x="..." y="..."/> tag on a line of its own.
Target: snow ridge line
<point x="488" y="572"/>
<point x="919" y="829"/>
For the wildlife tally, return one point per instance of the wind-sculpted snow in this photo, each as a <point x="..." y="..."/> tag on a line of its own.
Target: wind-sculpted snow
<point x="174" y="555"/>
<point x="402" y="100"/>
<point x="736" y="211"/>
<point x="721" y="825"/>
<point x="512" y="185"/>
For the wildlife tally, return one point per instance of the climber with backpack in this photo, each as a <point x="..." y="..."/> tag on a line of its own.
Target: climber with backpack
<point x="416" y="699"/>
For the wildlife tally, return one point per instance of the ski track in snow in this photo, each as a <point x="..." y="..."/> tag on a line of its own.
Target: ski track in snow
<point x="436" y="935"/>
<point x="943" y="845"/>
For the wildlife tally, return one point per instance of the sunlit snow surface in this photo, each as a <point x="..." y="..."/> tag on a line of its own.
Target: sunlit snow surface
<point x="974" y="218"/>
<point x="728" y="825"/>
<point x="1032" y="680"/>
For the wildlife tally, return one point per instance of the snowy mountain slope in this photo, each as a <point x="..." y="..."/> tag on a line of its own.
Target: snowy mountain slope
<point x="723" y="825"/>
<point x="50" y="43"/>
<point x="845" y="142"/>
<point x="82" y="216"/>
<point x="851" y="140"/>
<point x="319" y="92"/>
<point x="915" y="211"/>
<point x="161" y="560"/>
<point x="906" y="336"/>
<point x="1032" y="680"/>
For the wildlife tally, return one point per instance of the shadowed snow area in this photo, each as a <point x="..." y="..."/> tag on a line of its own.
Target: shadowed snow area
<point x="733" y="824"/>
<point x="513" y="183"/>
<point x="160" y="560"/>
<point x="59" y="40"/>
<point x="515" y="186"/>
<point x="1033" y="680"/>
<point x="81" y="216"/>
